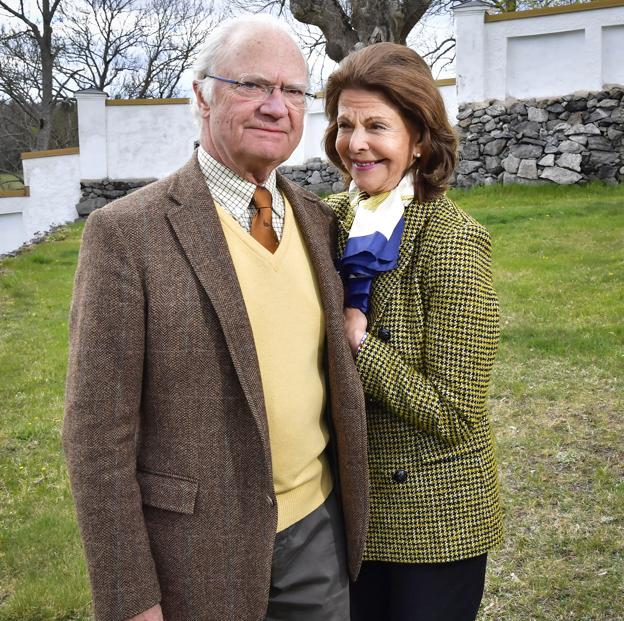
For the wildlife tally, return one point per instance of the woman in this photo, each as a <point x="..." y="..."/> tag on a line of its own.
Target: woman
<point x="421" y="318"/>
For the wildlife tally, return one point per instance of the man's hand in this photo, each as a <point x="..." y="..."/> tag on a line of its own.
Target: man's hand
<point x="151" y="614"/>
<point x="355" y="324"/>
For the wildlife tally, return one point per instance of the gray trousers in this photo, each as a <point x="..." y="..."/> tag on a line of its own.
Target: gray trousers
<point x="309" y="579"/>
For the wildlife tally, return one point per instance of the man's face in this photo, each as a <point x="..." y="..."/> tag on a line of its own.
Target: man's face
<point x="254" y="137"/>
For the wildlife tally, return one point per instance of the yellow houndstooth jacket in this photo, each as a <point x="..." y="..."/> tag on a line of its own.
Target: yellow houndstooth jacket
<point x="433" y="332"/>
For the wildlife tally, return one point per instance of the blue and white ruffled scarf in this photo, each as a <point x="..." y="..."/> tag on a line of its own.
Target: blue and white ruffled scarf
<point x="374" y="239"/>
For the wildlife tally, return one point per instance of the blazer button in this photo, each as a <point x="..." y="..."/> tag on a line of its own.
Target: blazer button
<point x="383" y="334"/>
<point x="400" y="476"/>
<point x="270" y="500"/>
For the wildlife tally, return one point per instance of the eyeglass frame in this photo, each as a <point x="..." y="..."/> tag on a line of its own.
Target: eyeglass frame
<point x="268" y="88"/>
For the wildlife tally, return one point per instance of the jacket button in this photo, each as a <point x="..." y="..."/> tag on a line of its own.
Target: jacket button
<point x="383" y="334"/>
<point x="270" y="500"/>
<point x="400" y="476"/>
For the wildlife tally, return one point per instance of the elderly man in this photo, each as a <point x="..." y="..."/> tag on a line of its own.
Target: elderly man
<point x="214" y="426"/>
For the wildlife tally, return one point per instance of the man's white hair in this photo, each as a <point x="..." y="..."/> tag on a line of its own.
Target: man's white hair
<point x="218" y="47"/>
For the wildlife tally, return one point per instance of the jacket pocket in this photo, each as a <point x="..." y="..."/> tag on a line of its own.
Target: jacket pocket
<point x="166" y="491"/>
<point x="431" y="456"/>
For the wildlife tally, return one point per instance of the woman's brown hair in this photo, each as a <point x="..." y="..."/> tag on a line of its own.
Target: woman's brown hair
<point x="404" y="78"/>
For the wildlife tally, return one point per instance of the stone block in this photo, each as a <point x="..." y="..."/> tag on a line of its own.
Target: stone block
<point x="617" y="115"/>
<point x="518" y="108"/>
<point x="570" y="160"/>
<point x="569" y="146"/>
<point x="528" y="169"/>
<point x="470" y="151"/>
<point x="555" y="108"/>
<point x="579" y="138"/>
<point x="467" y="167"/>
<point x="490" y="126"/>
<point x="599" y="143"/>
<point x="589" y="129"/>
<point x="320" y="188"/>
<point x="614" y="134"/>
<point x="496" y="109"/>
<point x="547" y="160"/>
<point x="338" y="186"/>
<point x="495" y="146"/>
<point x="508" y="178"/>
<point x="493" y="164"/>
<point x="511" y="164"/>
<point x="527" y="151"/>
<point x="85" y="207"/>
<point x="538" y="115"/>
<point x="608" y="103"/>
<point x="598" y="115"/>
<point x="575" y="105"/>
<point x="599" y="158"/>
<point x="315" y="178"/>
<point x="562" y="176"/>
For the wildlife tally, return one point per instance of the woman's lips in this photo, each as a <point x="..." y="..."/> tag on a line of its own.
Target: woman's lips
<point x="364" y="166"/>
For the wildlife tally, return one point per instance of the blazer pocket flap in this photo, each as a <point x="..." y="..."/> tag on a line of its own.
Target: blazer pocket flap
<point x="165" y="491"/>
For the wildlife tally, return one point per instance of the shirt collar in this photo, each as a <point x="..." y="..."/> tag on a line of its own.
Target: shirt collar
<point x="222" y="179"/>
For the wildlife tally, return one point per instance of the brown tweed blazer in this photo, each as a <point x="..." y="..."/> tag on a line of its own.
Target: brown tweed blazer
<point x="433" y="333"/>
<point x="165" y="429"/>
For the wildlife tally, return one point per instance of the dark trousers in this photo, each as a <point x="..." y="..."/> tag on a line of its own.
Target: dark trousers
<point x="309" y="578"/>
<point x="419" y="592"/>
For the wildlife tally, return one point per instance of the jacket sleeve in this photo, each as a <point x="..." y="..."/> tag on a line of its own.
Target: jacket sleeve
<point x="446" y="395"/>
<point x="101" y="420"/>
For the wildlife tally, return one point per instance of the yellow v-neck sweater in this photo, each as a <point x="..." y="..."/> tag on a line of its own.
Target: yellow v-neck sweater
<point x="283" y="303"/>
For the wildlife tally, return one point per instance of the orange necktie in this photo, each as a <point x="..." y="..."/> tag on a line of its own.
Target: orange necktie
<point x="262" y="221"/>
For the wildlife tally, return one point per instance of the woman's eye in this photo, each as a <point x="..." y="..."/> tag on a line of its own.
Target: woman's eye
<point x="378" y="126"/>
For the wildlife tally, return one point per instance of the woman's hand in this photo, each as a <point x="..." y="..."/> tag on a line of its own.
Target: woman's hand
<point x="355" y="324"/>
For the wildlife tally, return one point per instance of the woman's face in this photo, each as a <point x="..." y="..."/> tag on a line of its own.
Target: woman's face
<point x="374" y="142"/>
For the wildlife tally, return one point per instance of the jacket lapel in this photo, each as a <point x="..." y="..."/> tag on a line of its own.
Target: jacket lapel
<point x="315" y="237"/>
<point x="416" y="215"/>
<point x="196" y="224"/>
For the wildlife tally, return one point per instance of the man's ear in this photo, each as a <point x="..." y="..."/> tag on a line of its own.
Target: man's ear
<point x="202" y="105"/>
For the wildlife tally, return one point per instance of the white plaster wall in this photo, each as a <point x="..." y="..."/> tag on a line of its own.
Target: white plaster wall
<point x="54" y="184"/>
<point x="449" y="94"/>
<point x="613" y="54"/>
<point x="148" y="140"/>
<point x="545" y="56"/>
<point x="315" y="126"/>
<point x="538" y="66"/>
<point x="12" y="230"/>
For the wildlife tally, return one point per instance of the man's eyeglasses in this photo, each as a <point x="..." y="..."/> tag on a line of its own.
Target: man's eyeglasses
<point x="294" y="96"/>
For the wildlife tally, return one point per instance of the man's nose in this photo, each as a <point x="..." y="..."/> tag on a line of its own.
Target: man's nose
<point x="274" y="105"/>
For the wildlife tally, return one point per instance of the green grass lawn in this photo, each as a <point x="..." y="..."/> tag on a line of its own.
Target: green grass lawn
<point x="556" y="406"/>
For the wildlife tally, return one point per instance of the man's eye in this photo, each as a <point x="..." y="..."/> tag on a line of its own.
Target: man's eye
<point x="251" y="87"/>
<point x="293" y="92"/>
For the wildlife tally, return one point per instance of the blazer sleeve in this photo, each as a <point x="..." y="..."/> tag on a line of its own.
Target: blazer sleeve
<point x="101" y="421"/>
<point x="446" y="396"/>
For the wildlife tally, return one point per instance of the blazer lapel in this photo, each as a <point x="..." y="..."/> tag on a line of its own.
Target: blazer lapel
<point x="316" y="241"/>
<point x="416" y="215"/>
<point x="196" y="224"/>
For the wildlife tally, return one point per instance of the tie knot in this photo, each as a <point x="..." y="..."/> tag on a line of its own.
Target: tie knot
<point x="262" y="198"/>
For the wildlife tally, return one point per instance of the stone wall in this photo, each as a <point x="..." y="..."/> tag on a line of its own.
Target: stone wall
<point x="316" y="175"/>
<point x="571" y="139"/>
<point x="95" y="193"/>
